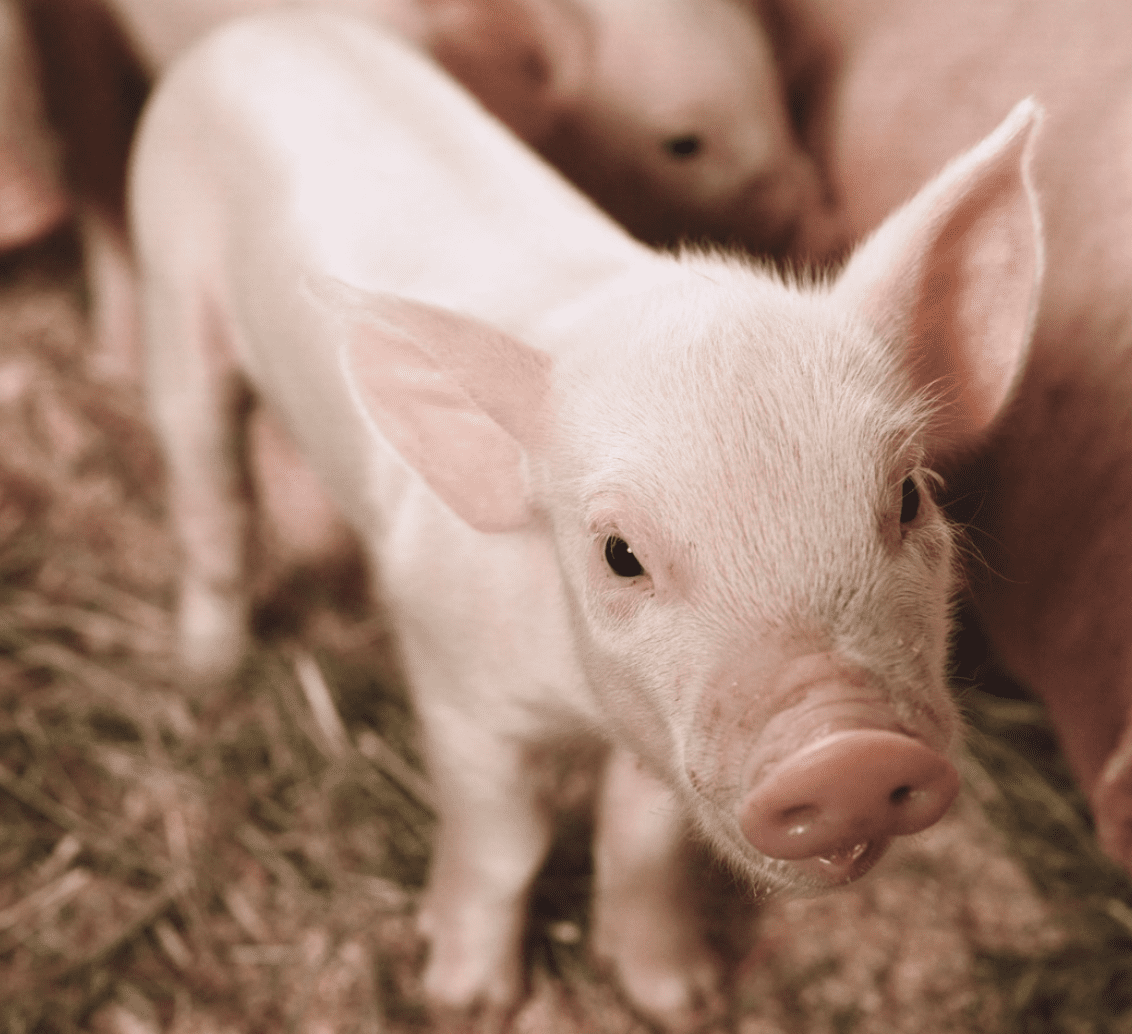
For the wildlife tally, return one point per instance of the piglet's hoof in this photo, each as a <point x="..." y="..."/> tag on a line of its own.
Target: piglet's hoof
<point x="211" y="633"/>
<point x="471" y="987"/>
<point x="1112" y="804"/>
<point x="669" y="975"/>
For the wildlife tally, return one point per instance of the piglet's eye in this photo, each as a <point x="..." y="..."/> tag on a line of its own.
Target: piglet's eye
<point x="909" y="501"/>
<point x="620" y="558"/>
<point x="686" y="146"/>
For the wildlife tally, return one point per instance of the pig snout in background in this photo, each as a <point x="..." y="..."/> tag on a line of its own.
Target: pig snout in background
<point x="672" y="503"/>
<point x="899" y="87"/>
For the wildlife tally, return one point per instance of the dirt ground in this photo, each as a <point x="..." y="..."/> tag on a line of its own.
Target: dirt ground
<point x="251" y="861"/>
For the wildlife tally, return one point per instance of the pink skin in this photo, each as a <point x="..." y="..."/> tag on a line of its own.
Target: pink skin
<point x="803" y="810"/>
<point x="899" y="85"/>
<point x="640" y="868"/>
<point x="492" y="416"/>
<point x="32" y="202"/>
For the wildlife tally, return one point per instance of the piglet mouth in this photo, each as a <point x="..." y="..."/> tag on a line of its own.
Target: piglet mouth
<point x="842" y="865"/>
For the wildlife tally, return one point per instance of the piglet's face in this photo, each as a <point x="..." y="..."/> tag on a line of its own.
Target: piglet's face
<point x="685" y="109"/>
<point x="733" y="499"/>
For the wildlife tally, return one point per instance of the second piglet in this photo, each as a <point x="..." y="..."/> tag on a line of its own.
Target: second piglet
<point x="671" y="504"/>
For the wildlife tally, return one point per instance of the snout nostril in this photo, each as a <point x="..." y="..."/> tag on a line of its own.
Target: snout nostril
<point x="799" y="820"/>
<point x="900" y="795"/>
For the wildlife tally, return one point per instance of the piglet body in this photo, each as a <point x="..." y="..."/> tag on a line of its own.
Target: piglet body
<point x="670" y="504"/>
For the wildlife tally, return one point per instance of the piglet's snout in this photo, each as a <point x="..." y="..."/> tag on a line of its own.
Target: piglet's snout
<point x="840" y="800"/>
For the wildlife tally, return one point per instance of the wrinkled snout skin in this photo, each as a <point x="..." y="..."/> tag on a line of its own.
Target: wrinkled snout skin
<point x="669" y="507"/>
<point x="1049" y="497"/>
<point x="826" y="721"/>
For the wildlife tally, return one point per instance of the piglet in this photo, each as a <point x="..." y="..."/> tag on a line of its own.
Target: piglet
<point x="673" y="504"/>
<point x="679" y="126"/>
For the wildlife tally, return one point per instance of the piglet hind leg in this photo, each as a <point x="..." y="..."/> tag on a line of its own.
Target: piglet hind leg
<point x="198" y="416"/>
<point x="645" y="927"/>
<point x="113" y="302"/>
<point x="493" y="834"/>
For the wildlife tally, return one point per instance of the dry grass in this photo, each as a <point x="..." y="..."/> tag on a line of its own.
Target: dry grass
<point x="251" y="861"/>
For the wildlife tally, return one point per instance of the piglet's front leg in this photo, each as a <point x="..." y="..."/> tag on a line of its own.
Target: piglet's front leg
<point x="197" y="404"/>
<point x="645" y="926"/>
<point x="494" y="832"/>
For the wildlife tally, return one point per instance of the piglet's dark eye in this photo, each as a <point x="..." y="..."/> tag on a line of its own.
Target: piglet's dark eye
<point x="909" y="501"/>
<point x="686" y="146"/>
<point x="620" y="558"/>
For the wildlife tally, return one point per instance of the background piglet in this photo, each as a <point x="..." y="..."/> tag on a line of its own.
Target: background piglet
<point x="680" y="128"/>
<point x="666" y="504"/>
<point x="670" y="112"/>
<point x="901" y="85"/>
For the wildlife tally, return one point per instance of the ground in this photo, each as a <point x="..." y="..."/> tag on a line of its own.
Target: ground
<point x="251" y="860"/>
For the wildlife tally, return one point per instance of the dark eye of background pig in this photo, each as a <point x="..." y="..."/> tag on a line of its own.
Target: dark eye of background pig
<point x="685" y="146"/>
<point x="619" y="556"/>
<point x="909" y="501"/>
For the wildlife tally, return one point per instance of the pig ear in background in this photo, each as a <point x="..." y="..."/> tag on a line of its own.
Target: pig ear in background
<point x="459" y="400"/>
<point x="955" y="273"/>
<point x="526" y="60"/>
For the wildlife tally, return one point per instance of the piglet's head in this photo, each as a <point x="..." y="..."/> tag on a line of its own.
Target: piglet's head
<point x="738" y="477"/>
<point x="683" y="127"/>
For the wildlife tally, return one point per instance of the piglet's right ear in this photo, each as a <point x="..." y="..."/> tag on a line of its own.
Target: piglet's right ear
<point x="461" y="401"/>
<point x="954" y="277"/>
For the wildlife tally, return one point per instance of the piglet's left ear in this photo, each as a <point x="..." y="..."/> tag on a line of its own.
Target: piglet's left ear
<point x="953" y="278"/>
<point x="461" y="401"/>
